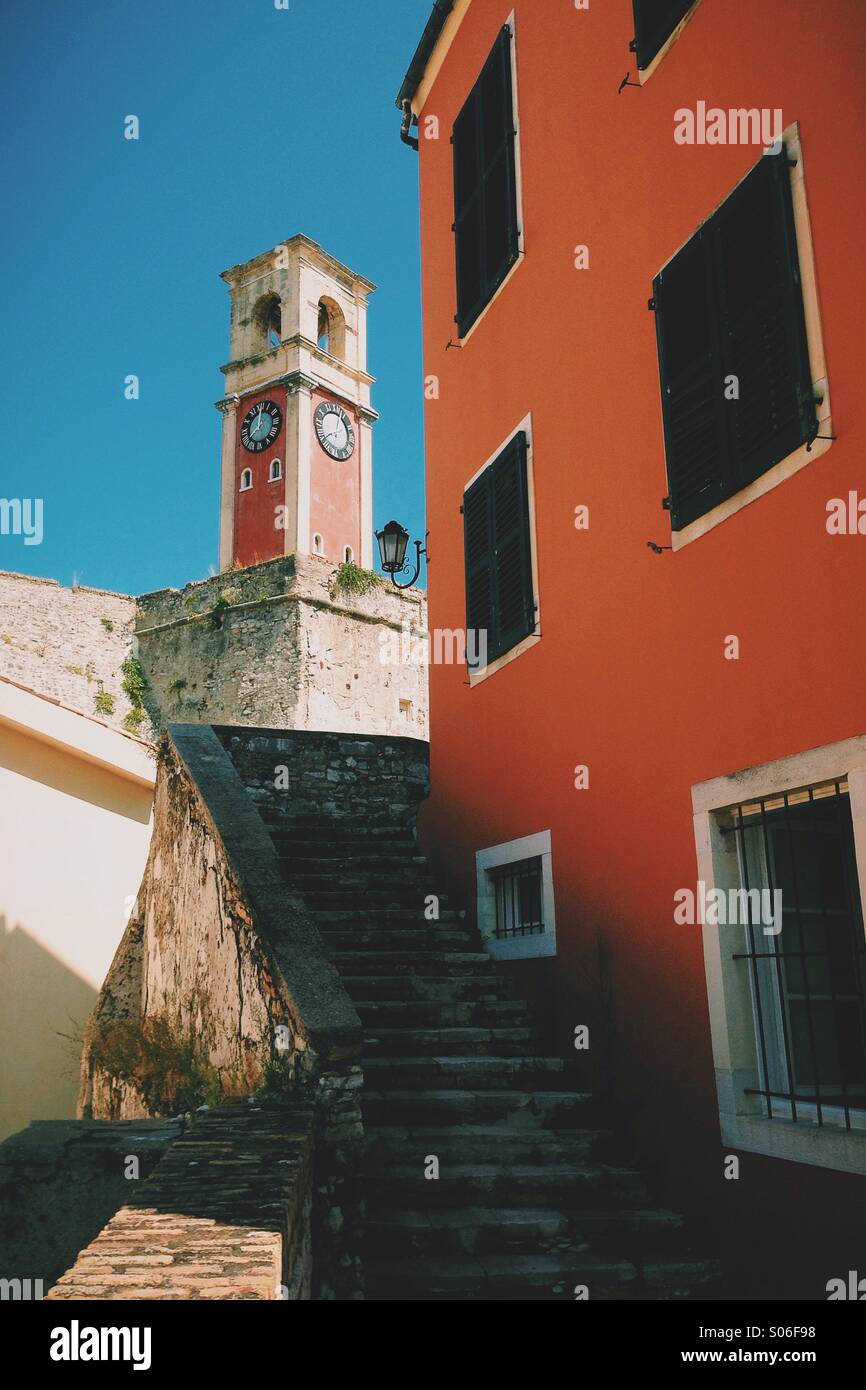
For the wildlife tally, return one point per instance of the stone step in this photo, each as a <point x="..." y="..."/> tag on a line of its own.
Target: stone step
<point x="408" y="882"/>
<point x="537" y="1278"/>
<point x="317" y="896"/>
<point x="408" y="962"/>
<point x="550" y="1109"/>
<point x="467" y="1278"/>
<point x="388" y="916"/>
<point x="411" y="1043"/>
<point x="490" y="1144"/>
<point x="323" y="852"/>
<point x="367" y="989"/>
<point x="496" y="1230"/>
<point x="437" y="1013"/>
<point x="323" y="855"/>
<point x="543" y="1185"/>
<point x="432" y="937"/>
<point x="322" y="831"/>
<point x="521" y="1073"/>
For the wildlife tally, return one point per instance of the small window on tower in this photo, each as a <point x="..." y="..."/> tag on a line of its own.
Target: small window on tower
<point x="275" y="471"/>
<point x="269" y="317"/>
<point x="246" y="480"/>
<point x="331" y="335"/>
<point x="349" y="555"/>
<point x="324" y="333"/>
<point x="318" y="544"/>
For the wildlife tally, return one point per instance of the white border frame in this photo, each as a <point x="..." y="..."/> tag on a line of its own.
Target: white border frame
<point x="530" y="640"/>
<point x="743" y="1120"/>
<point x="511" y="852"/>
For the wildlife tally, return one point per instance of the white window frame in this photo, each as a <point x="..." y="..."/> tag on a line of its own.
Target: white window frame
<point x="246" y="487"/>
<point x="476" y="676"/>
<point x="529" y="947"/>
<point x="743" y="1119"/>
<point x="272" y="476"/>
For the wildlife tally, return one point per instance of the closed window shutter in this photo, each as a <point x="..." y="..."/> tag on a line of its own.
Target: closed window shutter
<point x="469" y="222"/>
<point x="478" y="547"/>
<point x="733" y="353"/>
<point x="514" y="597"/>
<point x="654" y="22"/>
<point x="764" y="339"/>
<point x="499" y="591"/>
<point x="485" y="189"/>
<point x="691" y="382"/>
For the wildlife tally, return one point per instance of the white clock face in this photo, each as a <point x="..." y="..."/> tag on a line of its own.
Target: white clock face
<point x="334" y="430"/>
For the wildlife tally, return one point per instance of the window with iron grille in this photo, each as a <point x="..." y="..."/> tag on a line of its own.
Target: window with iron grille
<point x="736" y="384"/>
<point x="519" y="910"/>
<point x="498" y="552"/>
<point x="806" y="978"/>
<point x="654" y="22"/>
<point x="485" y="186"/>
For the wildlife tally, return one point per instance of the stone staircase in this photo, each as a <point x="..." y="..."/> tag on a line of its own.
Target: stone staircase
<point x="532" y="1198"/>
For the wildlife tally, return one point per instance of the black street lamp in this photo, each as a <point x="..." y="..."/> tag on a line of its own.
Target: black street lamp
<point x="393" y="540"/>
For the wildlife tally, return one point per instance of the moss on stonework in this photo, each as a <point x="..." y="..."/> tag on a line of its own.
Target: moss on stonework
<point x="350" y="578"/>
<point x="215" y="616"/>
<point x="134" y="719"/>
<point x="103" y="702"/>
<point x="165" y="1062"/>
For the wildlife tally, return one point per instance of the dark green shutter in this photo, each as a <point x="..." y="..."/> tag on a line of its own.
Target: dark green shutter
<point x="485" y="187"/>
<point x="478" y="548"/>
<point x="500" y="598"/>
<point x="691" y="381"/>
<point x="654" y="22"/>
<point x="763" y="323"/>
<point x="514" y="598"/>
<point x="730" y="304"/>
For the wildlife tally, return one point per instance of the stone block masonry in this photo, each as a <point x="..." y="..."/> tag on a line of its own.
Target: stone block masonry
<point x="381" y="780"/>
<point x="61" y="1180"/>
<point x="225" y="1215"/>
<point x="278" y="645"/>
<point x="67" y="644"/>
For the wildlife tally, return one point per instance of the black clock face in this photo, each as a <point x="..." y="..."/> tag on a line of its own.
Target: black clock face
<point x="334" y="430"/>
<point x="260" y="426"/>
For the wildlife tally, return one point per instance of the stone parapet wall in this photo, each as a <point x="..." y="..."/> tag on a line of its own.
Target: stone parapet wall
<point x="215" y="953"/>
<point x="224" y="1215"/>
<point x="67" y="644"/>
<point x="277" y="645"/>
<point x="61" y="1180"/>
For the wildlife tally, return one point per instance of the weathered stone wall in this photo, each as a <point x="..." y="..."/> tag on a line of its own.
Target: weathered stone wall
<point x="274" y="645"/>
<point x="222" y="980"/>
<point x="304" y="773"/>
<point x="69" y="644"/>
<point x="61" y="1180"/>
<point x="225" y="1215"/>
<point x="214" y="950"/>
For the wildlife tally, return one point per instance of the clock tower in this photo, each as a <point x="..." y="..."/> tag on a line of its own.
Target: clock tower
<point x="297" y="421"/>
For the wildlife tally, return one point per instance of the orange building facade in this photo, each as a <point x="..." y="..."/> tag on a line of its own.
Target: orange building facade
<point x="636" y="323"/>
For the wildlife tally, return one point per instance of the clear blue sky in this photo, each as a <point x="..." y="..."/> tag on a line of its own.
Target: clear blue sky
<point x="255" y="124"/>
